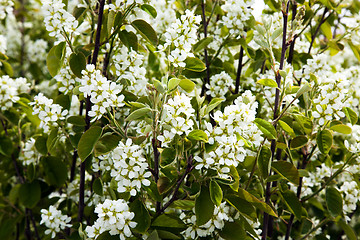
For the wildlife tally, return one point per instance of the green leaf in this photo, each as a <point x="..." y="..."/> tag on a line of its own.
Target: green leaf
<point x="213" y="104"/>
<point x="168" y="221"/>
<point x="324" y="141"/>
<point x="138" y="113"/>
<point x="154" y="236"/>
<point x="198" y="135"/>
<point x="76" y="120"/>
<point x="173" y="83"/>
<point x="55" y="58"/>
<point x="30" y="194"/>
<point x="167" y="156"/>
<point x="40" y="145"/>
<point x="351" y="115"/>
<point x="183" y="204"/>
<point x="286" y="128"/>
<point x="187" y="85"/>
<point x="77" y="63"/>
<point x="149" y="9"/>
<point x="243" y="206"/>
<point x="233" y="231"/>
<point x="7" y="68"/>
<point x="145" y="30"/>
<point x="87" y="142"/>
<point x="341" y="128"/>
<point x="334" y="201"/>
<point x="298" y="142"/>
<point x="129" y="39"/>
<point x="326" y="29"/>
<point x="158" y="86"/>
<point x="55" y="170"/>
<point x="264" y="161"/>
<point x="267" y="82"/>
<point x="355" y="50"/>
<point x="6" y="146"/>
<point x="64" y="101"/>
<point x="106" y="144"/>
<point x="204" y="207"/>
<point x="98" y="187"/>
<point x="242" y="193"/>
<point x="167" y="235"/>
<point x="216" y="193"/>
<point x="287" y="170"/>
<point x="194" y="64"/>
<point x="267" y="128"/>
<point x="52" y="139"/>
<point x="142" y="217"/>
<point x="305" y="88"/>
<point x="350" y="233"/>
<point x="292" y="203"/>
<point x="200" y="45"/>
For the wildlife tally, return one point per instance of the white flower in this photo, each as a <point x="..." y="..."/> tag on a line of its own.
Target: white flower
<point x="54" y="220"/>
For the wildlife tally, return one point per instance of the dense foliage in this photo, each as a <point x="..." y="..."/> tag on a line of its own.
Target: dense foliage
<point x="174" y="119"/>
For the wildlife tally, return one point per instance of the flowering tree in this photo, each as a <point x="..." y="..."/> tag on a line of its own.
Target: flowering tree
<point x="174" y="119"/>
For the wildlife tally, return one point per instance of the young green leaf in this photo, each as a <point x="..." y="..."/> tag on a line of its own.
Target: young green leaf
<point x="77" y="63"/>
<point x="267" y="82"/>
<point x="30" y="194"/>
<point x="286" y="128"/>
<point x="55" y="171"/>
<point x="55" y="58"/>
<point x="298" y="142"/>
<point x="287" y="170"/>
<point x="334" y="201"/>
<point x="194" y="64"/>
<point x="264" y="161"/>
<point x="351" y="115"/>
<point x="292" y="203"/>
<point x="216" y="193"/>
<point x="149" y="9"/>
<point x="213" y="104"/>
<point x="324" y="141"/>
<point x="87" y="142"/>
<point x="138" y="113"/>
<point x="173" y="83"/>
<point x="198" y="135"/>
<point x="204" y="207"/>
<point x="187" y="85"/>
<point x="200" y="45"/>
<point x="266" y="128"/>
<point x="146" y="31"/>
<point x="142" y="216"/>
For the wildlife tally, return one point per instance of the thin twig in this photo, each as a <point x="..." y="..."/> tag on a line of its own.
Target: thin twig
<point x="318" y="28"/>
<point x="238" y="73"/>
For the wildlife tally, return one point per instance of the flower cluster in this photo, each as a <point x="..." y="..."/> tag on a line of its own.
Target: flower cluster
<point x="331" y="99"/>
<point x="129" y="66"/>
<point x="47" y="112"/>
<point x="102" y="92"/>
<point x="29" y="154"/>
<point x="127" y="166"/>
<point x="177" y="116"/>
<point x="113" y="216"/>
<point x="10" y="90"/>
<point x="237" y="13"/>
<point x="54" y="220"/>
<point x="6" y="7"/>
<point x="219" y="84"/>
<point x="217" y="222"/>
<point x="180" y="37"/>
<point x="65" y="80"/>
<point x="59" y="22"/>
<point x="234" y="134"/>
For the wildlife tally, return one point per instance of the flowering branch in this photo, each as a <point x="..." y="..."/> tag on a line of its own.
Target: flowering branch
<point x="88" y="108"/>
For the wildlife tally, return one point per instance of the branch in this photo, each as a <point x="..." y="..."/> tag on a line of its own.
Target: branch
<point x="189" y="168"/>
<point x="207" y="79"/>
<point x="267" y="221"/>
<point x="317" y="29"/>
<point x="155" y="171"/>
<point x="238" y="73"/>
<point x="88" y="108"/>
